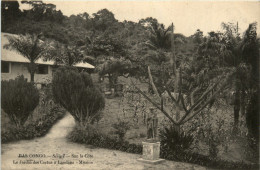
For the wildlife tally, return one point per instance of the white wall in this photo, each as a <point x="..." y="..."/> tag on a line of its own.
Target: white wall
<point x="21" y="69"/>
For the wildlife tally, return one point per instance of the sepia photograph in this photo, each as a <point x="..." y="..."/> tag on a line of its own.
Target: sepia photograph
<point x="130" y="85"/>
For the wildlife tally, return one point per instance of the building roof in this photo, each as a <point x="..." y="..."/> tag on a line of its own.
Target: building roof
<point x="12" y="56"/>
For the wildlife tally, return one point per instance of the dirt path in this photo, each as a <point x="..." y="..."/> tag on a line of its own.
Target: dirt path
<point x="54" y="144"/>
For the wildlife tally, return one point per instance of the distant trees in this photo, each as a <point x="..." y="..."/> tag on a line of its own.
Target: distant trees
<point x="69" y="55"/>
<point x="111" y="55"/>
<point x="10" y="13"/>
<point x="18" y="99"/>
<point x="41" y="11"/>
<point x="103" y="20"/>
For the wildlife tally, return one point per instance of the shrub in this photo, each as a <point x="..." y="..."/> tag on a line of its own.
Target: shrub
<point x="78" y="95"/>
<point x="121" y="127"/>
<point x="97" y="139"/>
<point x="19" y="99"/>
<point x="34" y="129"/>
<point x="173" y="141"/>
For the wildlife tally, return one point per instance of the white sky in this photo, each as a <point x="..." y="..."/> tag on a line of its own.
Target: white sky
<point x="186" y="16"/>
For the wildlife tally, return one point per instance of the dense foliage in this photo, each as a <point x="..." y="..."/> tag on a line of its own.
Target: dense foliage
<point x="34" y="129"/>
<point x="19" y="99"/>
<point x="173" y="141"/>
<point x="78" y="95"/>
<point x="101" y="140"/>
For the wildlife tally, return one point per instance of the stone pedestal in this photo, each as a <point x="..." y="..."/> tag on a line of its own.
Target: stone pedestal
<point x="151" y="153"/>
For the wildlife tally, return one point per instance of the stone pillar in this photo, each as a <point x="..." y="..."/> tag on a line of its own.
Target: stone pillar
<point x="151" y="148"/>
<point x="151" y="153"/>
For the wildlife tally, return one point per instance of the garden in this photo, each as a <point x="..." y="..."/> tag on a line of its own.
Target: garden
<point x="202" y="90"/>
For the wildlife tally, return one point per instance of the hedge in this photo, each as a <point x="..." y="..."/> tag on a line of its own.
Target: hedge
<point x="104" y="141"/>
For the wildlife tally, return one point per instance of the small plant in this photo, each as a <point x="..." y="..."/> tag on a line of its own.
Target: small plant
<point x="19" y="99"/>
<point x="78" y="95"/>
<point x="121" y="128"/>
<point x="173" y="141"/>
<point x="142" y="135"/>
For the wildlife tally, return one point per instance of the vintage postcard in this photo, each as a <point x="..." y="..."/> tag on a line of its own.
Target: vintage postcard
<point x="129" y="84"/>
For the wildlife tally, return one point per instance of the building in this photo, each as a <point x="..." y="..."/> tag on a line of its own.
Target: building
<point x="14" y="64"/>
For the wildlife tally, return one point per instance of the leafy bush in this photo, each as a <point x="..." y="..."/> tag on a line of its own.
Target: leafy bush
<point x="121" y="128"/>
<point x="19" y="99"/>
<point x="78" y="95"/>
<point x="34" y="129"/>
<point x="174" y="141"/>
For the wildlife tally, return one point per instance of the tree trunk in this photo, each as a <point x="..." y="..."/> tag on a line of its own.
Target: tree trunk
<point x="32" y="67"/>
<point x="173" y="58"/>
<point x="177" y="128"/>
<point x="110" y="81"/>
<point x="32" y="77"/>
<point x="176" y="90"/>
<point x="236" y="110"/>
<point x="243" y="102"/>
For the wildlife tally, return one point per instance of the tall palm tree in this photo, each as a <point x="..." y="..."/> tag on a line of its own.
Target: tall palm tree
<point x="220" y="50"/>
<point x="30" y="47"/>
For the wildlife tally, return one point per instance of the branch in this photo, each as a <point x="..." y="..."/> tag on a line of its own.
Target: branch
<point x="183" y="104"/>
<point x="202" y="97"/>
<point x="173" y="99"/>
<point x="152" y="83"/>
<point x="154" y="103"/>
<point x="180" y="85"/>
<point x="192" y="96"/>
<point x="182" y="121"/>
<point x="125" y="76"/>
<point x="202" y="107"/>
<point x="205" y="93"/>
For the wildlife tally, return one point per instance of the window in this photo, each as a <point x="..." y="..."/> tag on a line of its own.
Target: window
<point x="5" y="67"/>
<point x="42" y="69"/>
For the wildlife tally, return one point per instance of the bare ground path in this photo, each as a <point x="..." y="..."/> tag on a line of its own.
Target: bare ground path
<point x="55" y="144"/>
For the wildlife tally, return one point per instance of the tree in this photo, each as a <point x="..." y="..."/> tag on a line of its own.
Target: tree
<point x="115" y="68"/>
<point x="19" y="99"/>
<point x="110" y="55"/>
<point x="43" y="12"/>
<point x="30" y="47"/>
<point x="69" y="55"/>
<point x="220" y="50"/>
<point x="10" y="12"/>
<point x="78" y="95"/>
<point x="184" y="110"/>
<point x="149" y="22"/>
<point x="103" y="20"/>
